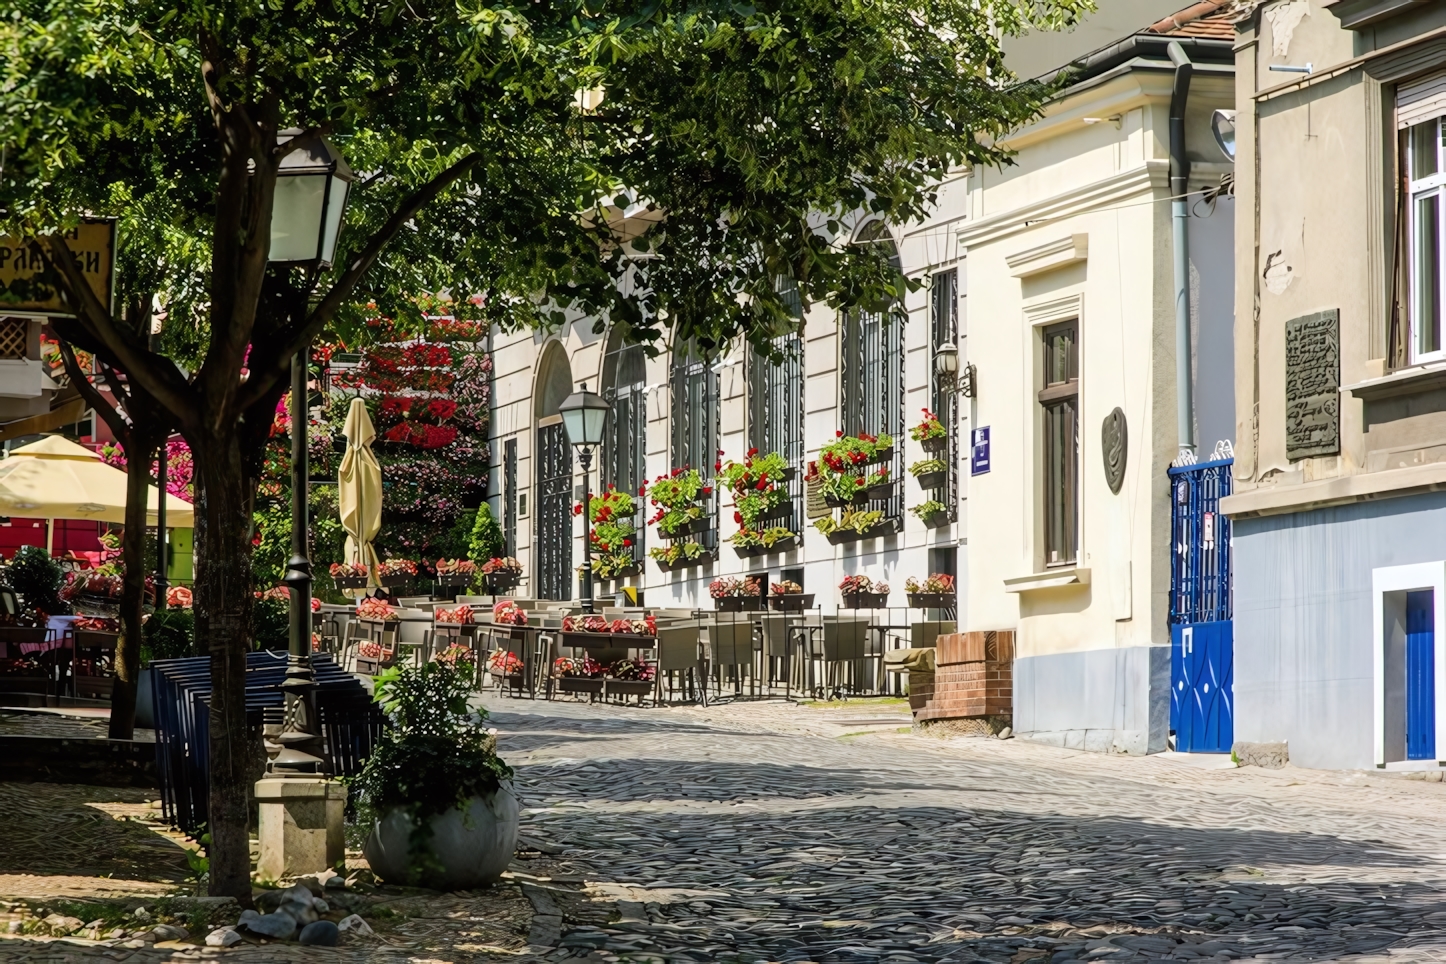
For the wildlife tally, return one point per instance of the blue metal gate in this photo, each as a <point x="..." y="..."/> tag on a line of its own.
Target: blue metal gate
<point x="1202" y="659"/>
<point x="1421" y="675"/>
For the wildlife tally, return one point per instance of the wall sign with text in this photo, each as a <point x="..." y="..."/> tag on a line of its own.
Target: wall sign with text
<point x="979" y="451"/>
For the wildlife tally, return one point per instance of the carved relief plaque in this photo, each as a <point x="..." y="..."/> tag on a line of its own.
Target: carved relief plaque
<point x="1312" y="383"/>
<point x="1114" y="446"/>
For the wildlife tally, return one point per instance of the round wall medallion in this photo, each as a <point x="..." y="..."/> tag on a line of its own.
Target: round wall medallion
<point x="1114" y="436"/>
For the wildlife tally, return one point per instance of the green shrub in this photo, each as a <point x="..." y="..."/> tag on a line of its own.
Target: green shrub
<point x="169" y="634"/>
<point x="37" y="578"/>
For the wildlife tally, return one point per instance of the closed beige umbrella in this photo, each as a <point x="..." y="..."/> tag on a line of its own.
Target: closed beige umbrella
<point x="359" y="489"/>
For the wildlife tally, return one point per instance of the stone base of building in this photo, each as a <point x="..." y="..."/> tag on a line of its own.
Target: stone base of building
<point x="1270" y="756"/>
<point x="972" y="726"/>
<point x="1102" y="700"/>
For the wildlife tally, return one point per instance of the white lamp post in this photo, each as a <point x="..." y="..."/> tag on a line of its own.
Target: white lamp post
<point x="584" y="414"/>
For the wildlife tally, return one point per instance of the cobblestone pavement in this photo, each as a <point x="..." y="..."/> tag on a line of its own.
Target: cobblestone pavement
<point x="759" y="832"/>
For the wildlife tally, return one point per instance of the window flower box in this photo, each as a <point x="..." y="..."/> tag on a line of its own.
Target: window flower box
<point x="738" y="604"/>
<point x="937" y="444"/>
<point x="933" y="480"/>
<point x="865" y="494"/>
<point x="865" y="600"/>
<point x="791" y="602"/>
<point x="931" y="600"/>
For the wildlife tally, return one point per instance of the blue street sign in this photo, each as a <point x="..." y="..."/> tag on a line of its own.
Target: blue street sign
<point x="979" y="451"/>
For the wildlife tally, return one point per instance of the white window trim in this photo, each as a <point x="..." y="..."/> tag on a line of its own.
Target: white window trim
<point x="1417" y="190"/>
<point x="1424" y="575"/>
<point x="1050" y="311"/>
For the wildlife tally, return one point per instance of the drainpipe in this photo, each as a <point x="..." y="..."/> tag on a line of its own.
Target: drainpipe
<point x="1179" y="184"/>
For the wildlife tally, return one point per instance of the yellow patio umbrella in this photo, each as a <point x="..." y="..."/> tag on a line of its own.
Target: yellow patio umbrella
<point x="359" y="489"/>
<point x="55" y="478"/>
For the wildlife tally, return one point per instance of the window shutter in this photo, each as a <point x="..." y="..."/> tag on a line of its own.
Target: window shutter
<point x="1421" y="99"/>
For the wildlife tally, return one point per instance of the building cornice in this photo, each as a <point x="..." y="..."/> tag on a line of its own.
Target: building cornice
<point x="1363" y="487"/>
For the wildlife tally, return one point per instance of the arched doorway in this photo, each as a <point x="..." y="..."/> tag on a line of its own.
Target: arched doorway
<point x="625" y="443"/>
<point x="552" y="473"/>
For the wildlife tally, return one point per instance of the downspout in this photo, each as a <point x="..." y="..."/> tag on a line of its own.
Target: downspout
<point x="1179" y="185"/>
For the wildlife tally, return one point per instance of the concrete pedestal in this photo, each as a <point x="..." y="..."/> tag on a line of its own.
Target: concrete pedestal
<point x="300" y="825"/>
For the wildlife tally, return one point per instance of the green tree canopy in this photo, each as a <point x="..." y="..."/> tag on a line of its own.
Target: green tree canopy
<point x="753" y="128"/>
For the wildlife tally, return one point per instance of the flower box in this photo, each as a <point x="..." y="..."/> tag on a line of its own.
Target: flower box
<point x="938" y="443"/>
<point x="791" y="602"/>
<point x="882" y="455"/>
<point x="629" y="687"/>
<point x="933" y="480"/>
<point x="738" y="604"/>
<point x="936" y="519"/>
<point x="592" y="685"/>
<point x="515" y="682"/>
<point x="931" y="600"/>
<point x="624" y="573"/>
<point x="497" y="581"/>
<point x="866" y="600"/>
<point x="880" y="491"/>
<point x="782" y="510"/>
<point x="701" y="524"/>
<point x="350" y="582"/>
<point x="886" y="527"/>
<point x="580" y="640"/>
<point x="782" y="545"/>
<point x="454" y="578"/>
<point x="686" y="563"/>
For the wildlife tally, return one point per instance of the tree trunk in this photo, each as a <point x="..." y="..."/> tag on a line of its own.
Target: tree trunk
<point x="223" y="606"/>
<point x="133" y="588"/>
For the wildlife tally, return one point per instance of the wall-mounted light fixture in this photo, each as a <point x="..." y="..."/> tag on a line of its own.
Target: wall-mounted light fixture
<point x="1222" y="125"/>
<point x="953" y="379"/>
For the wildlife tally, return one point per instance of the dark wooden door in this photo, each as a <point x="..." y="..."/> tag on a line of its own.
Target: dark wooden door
<point x="553" y="546"/>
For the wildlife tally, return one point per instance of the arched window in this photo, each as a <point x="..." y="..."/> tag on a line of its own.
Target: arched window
<point x="552" y="471"/>
<point x="872" y="371"/>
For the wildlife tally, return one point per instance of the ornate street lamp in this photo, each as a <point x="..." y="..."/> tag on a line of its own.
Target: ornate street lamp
<point x="584" y="414"/>
<point x="313" y="182"/>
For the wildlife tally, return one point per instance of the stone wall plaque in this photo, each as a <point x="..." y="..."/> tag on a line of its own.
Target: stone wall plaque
<point x="1115" y="448"/>
<point x="813" y="505"/>
<point x="1312" y="385"/>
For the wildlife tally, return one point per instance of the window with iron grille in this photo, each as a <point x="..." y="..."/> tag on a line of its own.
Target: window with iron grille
<point x="509" y="495"/>
<point x="775" y="402"/>
<point x="694" y="420"/>
<point x="1059" y="399"/>
<point x="872" y="375"/>
<point x="944" y="316"/>
<point x="625" y="437"/>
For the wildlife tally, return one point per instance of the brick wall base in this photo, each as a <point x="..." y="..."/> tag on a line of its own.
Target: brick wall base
<point x="974" y="678"/>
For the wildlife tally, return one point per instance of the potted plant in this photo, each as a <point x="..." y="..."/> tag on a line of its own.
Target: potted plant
<point x="788" y="596"/>
<point x="611" y="517"/>
<point x="861" y="592"/>
<point x="930" y="433"/>
<point x="680" y="555"/>
<point x="631" y="676"/>
<point x="501" y="573"/>
<point x="436" y="797"/>
<point x="756" y="542"/>
<point x="930" y="473"/>
<point x="507" y="670"/>
<point x="935" y="592"/>
<point x="855" y="489"/>
<point x="733" y="594"/>
<point x="855" y="451"/>
<point x="758" y="484"/>
<point x="455" y="572"/>
<point x="853" y="525"/>
<point x="349" y="575"/>
<point x="583" y="675"/>
<point x="933" y="513"/>
<point x="679" y="497"/>
<point x="396" y="572"/>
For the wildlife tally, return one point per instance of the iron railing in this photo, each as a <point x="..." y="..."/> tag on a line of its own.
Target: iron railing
<point x="1200" y="577"/>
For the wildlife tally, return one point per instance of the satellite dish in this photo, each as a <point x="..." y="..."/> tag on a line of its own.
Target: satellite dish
<point x="1222" y="125"/>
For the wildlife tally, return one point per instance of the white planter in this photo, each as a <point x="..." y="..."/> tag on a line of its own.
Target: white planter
<point x="468" y="848"/>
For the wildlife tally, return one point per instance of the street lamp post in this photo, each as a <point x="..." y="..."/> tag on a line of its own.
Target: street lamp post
<point x="312" y="185"/>
<point x="584" y="414"/>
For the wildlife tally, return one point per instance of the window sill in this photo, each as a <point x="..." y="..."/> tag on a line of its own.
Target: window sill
<point x="1050" y="579"/>
<point x="1405" y="381"/>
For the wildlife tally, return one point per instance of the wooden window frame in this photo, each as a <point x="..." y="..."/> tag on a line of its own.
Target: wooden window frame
<point x="1058" y="399"/>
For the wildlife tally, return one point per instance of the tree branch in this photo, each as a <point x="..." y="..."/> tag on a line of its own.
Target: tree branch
<point x="162" y="380"/>
<point x="118" y="425"/>
<point x="261" y="381"/>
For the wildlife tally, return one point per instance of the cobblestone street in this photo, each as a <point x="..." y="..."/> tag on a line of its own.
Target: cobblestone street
<point x="766" y="833"/>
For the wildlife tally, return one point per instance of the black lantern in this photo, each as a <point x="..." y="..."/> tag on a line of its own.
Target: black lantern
<point x="584" y="414"/>
<point x="312" y="185"/>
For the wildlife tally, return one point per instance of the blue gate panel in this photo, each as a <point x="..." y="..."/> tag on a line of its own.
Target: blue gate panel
<point x="1421" y="675"/>
<point x="1200" y="588"/>
<point x="1202" y="686"/>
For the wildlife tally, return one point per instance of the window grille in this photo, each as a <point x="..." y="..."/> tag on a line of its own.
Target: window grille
<point x="695" y="400"/>
<point x="625" y="439"/>
<point x="553" y="546"/>
<point x="944" y="315"/>
<point x="1059" y="399"/>
<point x="509" y="495"/>
<point x="775" y="405"/>
<point x="14" y="337"/>
<point x="872" y="378"/>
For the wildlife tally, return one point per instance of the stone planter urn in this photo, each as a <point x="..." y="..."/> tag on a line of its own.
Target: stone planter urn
<point x="469" y="847"/>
